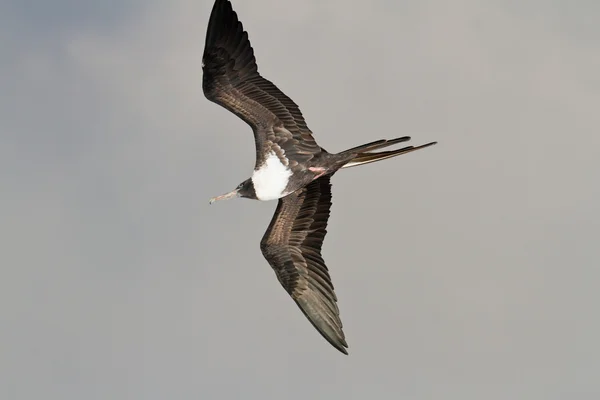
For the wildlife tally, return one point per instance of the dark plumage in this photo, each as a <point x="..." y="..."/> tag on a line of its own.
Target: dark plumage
<point x="290" y="166"/>
<point x="292" y="245"/>
<point x="231" y="79"/>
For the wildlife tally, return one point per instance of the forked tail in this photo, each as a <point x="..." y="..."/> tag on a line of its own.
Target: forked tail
<point x="364" y="154"/>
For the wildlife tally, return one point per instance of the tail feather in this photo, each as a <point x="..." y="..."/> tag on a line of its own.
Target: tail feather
<point x="378" y="144"/>
<point x="364" y="156"/>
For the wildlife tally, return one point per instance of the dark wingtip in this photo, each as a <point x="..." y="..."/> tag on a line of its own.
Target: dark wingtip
<point x="340" y="344"/>
<point x="330" y="330"/>
<point x="222" y="17"/>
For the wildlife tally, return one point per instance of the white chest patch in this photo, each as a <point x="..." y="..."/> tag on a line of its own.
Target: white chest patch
<point x="271" y="179"/>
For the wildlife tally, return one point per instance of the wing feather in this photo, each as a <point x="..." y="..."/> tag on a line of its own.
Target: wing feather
<point x="292" y="246"/>
<point x="231" y="79"/>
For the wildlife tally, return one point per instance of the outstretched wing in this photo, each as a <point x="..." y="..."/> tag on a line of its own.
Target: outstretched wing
<point x="292" y="246"/>
<point x="231" y="79"/>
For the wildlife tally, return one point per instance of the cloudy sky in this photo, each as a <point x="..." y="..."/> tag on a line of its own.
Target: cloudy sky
<point x="468" y="270"/>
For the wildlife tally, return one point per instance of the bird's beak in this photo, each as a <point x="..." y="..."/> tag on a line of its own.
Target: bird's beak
<point x="233" y="193"/>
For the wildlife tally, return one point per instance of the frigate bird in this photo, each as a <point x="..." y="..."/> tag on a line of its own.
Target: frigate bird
<point x="290" y="166"/>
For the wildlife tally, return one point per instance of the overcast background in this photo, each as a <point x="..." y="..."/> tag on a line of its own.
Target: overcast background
<point x="469" y="270"/>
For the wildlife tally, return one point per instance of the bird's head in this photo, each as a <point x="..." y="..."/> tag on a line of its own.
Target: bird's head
<point x="244" y="189"/>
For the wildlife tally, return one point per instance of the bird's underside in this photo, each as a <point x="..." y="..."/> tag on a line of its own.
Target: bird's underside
<point x="290" y="161"/>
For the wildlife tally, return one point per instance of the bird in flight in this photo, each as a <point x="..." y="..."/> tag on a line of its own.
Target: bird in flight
<point x="290" y="166"/>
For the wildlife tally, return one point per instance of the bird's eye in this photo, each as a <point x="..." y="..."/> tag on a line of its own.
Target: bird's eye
<point x="240" y="185"/>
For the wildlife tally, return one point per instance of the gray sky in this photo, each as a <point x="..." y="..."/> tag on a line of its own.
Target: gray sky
<point x="466" y="271"/>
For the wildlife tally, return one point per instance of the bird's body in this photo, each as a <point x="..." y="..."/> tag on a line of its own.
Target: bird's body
<point x="290" y="166"/>
<point x="275" y="179"/>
